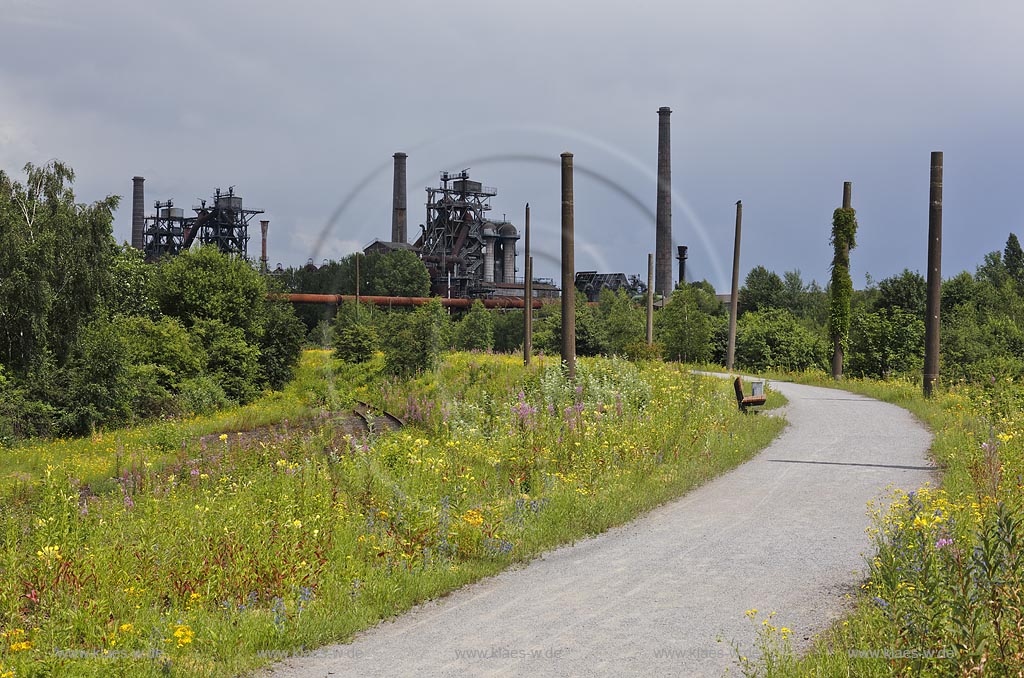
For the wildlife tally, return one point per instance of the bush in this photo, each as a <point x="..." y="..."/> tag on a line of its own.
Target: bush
<point x="684" y="330"/>
<point x="475" y="332"/>
<point x="885" y="342"/>
<point x="415" y="341"/>
<point x="233" y="363"/>
<point x="201" y="395"/>
<point x="281" y="344"/>
<point x="775" y="340"/>
<point x="356" y="343"/>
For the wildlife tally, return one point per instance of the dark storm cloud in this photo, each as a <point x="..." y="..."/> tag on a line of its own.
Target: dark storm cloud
<point x="774" y="103"/>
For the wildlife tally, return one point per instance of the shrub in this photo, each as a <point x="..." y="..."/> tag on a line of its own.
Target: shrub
<point x="415" y="341"/>
<point x="233" y="363"/>
<point x="775" y="340"/>
<point x="475" y="332"/>
<point x="201" y="395"/>
<point x="356" y="343"/>
<point x="281" y="343"/>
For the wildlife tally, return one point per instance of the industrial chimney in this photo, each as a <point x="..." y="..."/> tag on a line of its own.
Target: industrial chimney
<point x="663" y="239"/>
<point x="681" y="257"/>
<point x="138" y="214"/>
<point x="264" y="227"/>
<point x="398" y="222"/>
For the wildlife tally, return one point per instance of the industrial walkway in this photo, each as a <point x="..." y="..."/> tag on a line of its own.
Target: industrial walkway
<point x="665" y="594"/>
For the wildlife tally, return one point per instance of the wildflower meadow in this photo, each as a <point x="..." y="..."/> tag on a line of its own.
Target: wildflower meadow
<point x="211" y="546"/>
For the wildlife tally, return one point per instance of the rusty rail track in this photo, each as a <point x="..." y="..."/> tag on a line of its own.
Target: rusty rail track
<point x="377" y="419"/>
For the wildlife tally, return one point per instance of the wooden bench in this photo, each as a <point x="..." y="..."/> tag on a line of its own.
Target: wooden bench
<point x="753" y="400"/>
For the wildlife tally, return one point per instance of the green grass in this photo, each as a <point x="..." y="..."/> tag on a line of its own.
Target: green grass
<point x="211" y="560"/>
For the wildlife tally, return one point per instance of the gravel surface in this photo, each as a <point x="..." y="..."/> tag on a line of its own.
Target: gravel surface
<point x="666" y="594"/>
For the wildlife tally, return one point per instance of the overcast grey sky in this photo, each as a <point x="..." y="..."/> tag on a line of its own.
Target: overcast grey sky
<point x="774" y="103"/>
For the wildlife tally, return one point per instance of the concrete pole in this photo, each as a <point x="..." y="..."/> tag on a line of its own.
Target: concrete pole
<point x="568" y="270"/>
<point x="398" y="215"/>
<point x="264" y="227"/>
<point x="650" y="300"/>
<point x="527" y="295"/>
<point x="138" y="213"/>
<point x="837" y="342"/>
<point x="663" y="235"/>
<point x="932" y="325"/>
<point x="730" y="358"/>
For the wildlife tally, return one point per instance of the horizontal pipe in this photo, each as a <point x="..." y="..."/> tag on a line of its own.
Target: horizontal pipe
<point x="335" y="299"/>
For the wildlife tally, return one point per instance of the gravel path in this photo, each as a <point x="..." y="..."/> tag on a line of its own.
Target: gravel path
<point x="783" y="532"/>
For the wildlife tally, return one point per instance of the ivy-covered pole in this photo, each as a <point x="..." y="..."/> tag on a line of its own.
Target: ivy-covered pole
<point x="844" y="232"/>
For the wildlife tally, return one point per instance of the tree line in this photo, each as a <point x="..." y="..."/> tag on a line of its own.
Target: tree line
<point x="91" y="336"/>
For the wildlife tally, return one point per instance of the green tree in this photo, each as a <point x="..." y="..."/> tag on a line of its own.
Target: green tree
<point x="508" y="330"/>
<point x="54" y="266"/>
<point x="129" y="292"/>
<point x="281" y="343"/>
<point x="907" y="292"/>
<point x="886" y="341"/>
<point x="475" y="332"/>
<point x="232" y="361"/>
<point x="355" y="343"/>
<point x="844" y="232"/>
<point x="683" y="330"/>
<point x="397" y="274"/>
<point x="1013" y="259"/>
<point x="775" y="340"/>
<point x="761" y="289"/>
<point x="414" y="341"/>
<point x="205" y="284"/>
<point x="625" y="322"/>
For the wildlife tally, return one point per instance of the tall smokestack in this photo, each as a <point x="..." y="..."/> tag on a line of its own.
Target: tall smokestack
<point x="264" y="227"/>
<point x="398" y="221"/>
<point x="663" y="241"/>
<point x="138" y="213"/>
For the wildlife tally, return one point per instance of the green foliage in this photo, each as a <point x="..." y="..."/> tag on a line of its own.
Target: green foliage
<point x="281" y="343"/>
<point x="907" y="291"/>
<point x="96" y="383"/>
<point x="204" y="284"/>
<point x="683" y="329"/>
<point x="398" y="273"/>
<point x="591" y="334"/>
<point x="232" y="362"/>
<point x="356" y="343"/>
<point x="885" y="342"/>
<point x="475" y="332"/>
<point x="54" y="266"/>
<point x="1013" y="259"/>
<point x="624" y="320"/>
<point x="414" y="341"/>
<point x="775" y="340"/>
<point x="844" y="231"/>
<point x="129" y="292"/>
<point x="508" y="330"/>
<point x="201" y="395"/>
<point x="165" y="344"/>
<point x="762" y="289"/>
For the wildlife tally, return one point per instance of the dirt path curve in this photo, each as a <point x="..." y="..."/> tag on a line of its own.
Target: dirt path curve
<point x="783" y="532"/>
